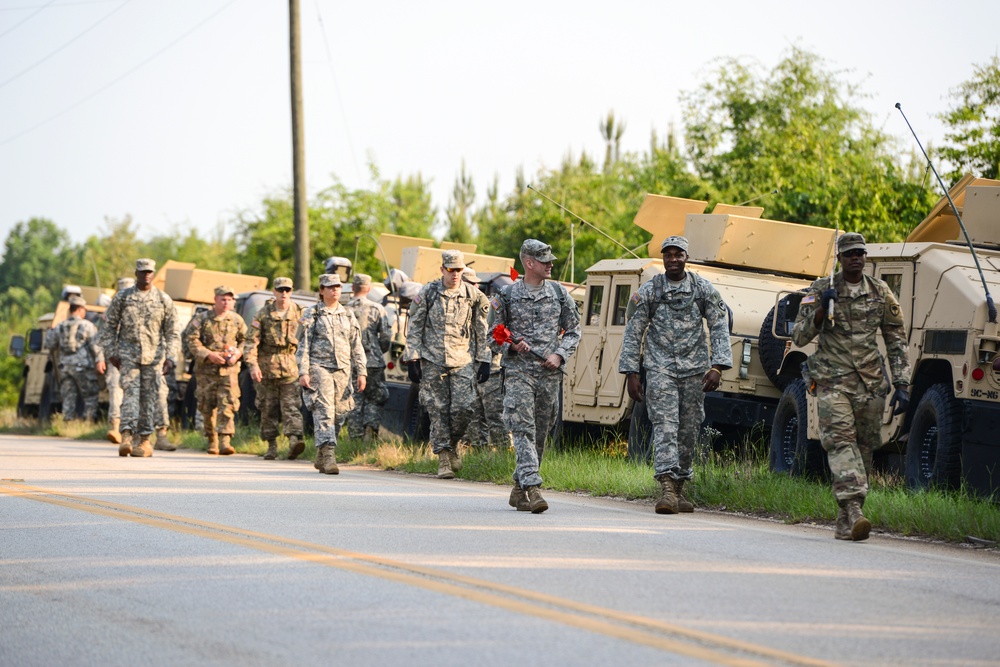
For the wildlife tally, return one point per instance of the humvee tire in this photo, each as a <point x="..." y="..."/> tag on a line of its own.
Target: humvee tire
<point x="640" y="434"/>
<point x="772" y="352"/>
<point x="416" y="421"/>
<point x="934" y="448"/>
<point x="791" y="451"/>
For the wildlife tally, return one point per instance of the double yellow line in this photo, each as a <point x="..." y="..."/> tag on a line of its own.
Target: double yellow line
<point x="618" y="625"/>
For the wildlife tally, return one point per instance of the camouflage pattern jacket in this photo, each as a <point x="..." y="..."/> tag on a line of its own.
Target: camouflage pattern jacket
<point x="448" y="328"/>
<point x="208" y="333"/>
<point x="140" y="327"/>
<point x="272" y="341"/>
<point x="73" y="338"/>
<point x="375" y="329"/>
<point x="850" y="344"/>
<point x="669" y="336"/>
<point x="331" y="338"/>
<point x="547" y="319"/>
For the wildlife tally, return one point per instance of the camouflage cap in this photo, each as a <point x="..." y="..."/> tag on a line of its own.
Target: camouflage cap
<point x="850" y="241"/>
<point x="282" y="282"/>
<point x="222" y="290"/>
<point x="77" y="301"/>
<point x="125" y="283"/>
<point x="145" y="264"/>
<point x="675" y="241"/>
<point x="330" y="280"/>
<point x="537" y="250"/>
<point x="453" y="259"/>
<point x="469" y="275"/>
<point x="361" y="279"/>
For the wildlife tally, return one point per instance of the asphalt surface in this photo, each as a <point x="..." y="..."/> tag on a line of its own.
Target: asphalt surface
<point x="185" y="558"/>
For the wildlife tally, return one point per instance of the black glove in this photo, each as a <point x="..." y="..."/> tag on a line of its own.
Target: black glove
<point x="900" y="401"/>
<point x="828" y="295"/>
<point x="483" y="374"/>
<point x="413" y="370"/>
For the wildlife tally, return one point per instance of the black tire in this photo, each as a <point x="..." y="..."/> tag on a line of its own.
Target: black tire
<point x="248" y="398"/>
<point x="640" y="434"/>
<point x="22" y="411"/>
<point x="772" y="352"/>
<point x="934" y="448"/>
<point x="45" y="407"/>
<point x="791" y="451"/>
<point x="190" y="405"/>
<point x="416" y="421"/>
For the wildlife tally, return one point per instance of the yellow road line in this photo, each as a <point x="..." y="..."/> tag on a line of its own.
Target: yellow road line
<point x="619" y="625"/>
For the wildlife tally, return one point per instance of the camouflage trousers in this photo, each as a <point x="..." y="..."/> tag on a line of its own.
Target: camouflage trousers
<point x="486" y="426"/>
<point x="368" y="404"/>
<point x="76" y="384"/>
<point x="446" y="393"/>
<point x="141" y="407"/>
<point x="163" y="416"/>
<point x="676" y="409"/>
<point x="330" y="399"/>
<point x="112" y="376"/>
<point x="850" y="421"/>
<point x="218" y="402"/>
<point x="279" y="400"/>
<point x="530" y="406"/>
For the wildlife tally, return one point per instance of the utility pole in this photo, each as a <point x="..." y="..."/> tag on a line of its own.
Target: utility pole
<point x="302" y="278"/>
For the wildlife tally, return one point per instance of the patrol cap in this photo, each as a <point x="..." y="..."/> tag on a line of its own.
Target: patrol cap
<point x="125" y="283"/>
<point x="850" y="241"/>
<point x="145" y="264"/>
<point x="453" y="259"/>
<point x="222" y="290"/>
<point x="675" y="241"/>
<point x="469" y="275"/>
<point x="77" y="301"/>
<point x="282" y="282"/>
<point x="330" y="280"/>
<point x="537" y="250"/>
<point x="361" y="279"/>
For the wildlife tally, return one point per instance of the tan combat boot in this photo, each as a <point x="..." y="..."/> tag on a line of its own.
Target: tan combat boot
<point x="272" y="450"/>
<point x="683" y="504"/>
<point x="843" y="529"/>
<point x="113" y="434"/>
<point x="225" y="449"/>
<point x="143" y="447"/>
<point x="296" y="445"/>
<point x="454" y="459"/>
<point x="518" y="499"/>
<point x="125" y="444"/>
<point x="320" y="455"/>
<point x="329" y="462"/>
<point x="860" y="526"/>
<point x="667" y="504"/>
<point x="213" y="443"/>
<point x="162" y="443"/>
<point x="444" y="465"/>
<point x="370" y="434"/>
<point x="536" y="504"/>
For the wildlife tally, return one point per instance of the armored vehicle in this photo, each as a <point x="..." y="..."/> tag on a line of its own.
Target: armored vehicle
<point x="949" y="434"/>
<point x="749" y="260"/>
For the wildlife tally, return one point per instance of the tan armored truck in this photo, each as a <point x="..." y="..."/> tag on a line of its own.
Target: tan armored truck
<point x="749" y="260"/>
<point x="949" y="435"/>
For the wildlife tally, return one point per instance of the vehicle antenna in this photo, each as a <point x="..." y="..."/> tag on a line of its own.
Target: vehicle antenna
<point x="833" y="268"/>
<point x="591" y="225"/>
<point x="992" y="309"/>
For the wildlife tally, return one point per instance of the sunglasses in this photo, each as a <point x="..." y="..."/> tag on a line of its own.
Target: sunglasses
<point x="857" y="252"/>
<point x="284" y="289"/>
<point x="453" y="270"/>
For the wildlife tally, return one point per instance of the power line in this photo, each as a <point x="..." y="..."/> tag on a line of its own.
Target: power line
<point x="52" y="53"/>
<point x="26" y="18"/>
<point x="113" y="82"/>
<point x="336" y="90"/>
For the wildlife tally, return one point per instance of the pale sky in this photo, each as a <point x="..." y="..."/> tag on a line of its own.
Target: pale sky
<point x="177" y="112"/>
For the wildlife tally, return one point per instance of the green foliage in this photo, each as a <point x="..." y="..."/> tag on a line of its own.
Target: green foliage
<point x="974" y="124"/>
<point x="36" y="252"/>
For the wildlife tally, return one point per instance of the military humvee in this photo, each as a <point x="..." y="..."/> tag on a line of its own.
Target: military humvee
<point x="749" y="260"/>
<point x="949" y="433"/>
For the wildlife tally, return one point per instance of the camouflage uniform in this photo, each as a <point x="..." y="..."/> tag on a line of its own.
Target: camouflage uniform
<point x="112" y="376"/>
<point x="375" y="334"/>
<point x="330" y="353"/>
<point x="675" y="356"/>
<point x="271" y="346"/>
<point x="140" y="331"/>
<point x="486" y="426"/>
<point x="446" y="332"/>
<point x="548" y="320"/>
<point x="849" y="373"/>
<point x="218" y="387"/>
<point x="73" y="338"/>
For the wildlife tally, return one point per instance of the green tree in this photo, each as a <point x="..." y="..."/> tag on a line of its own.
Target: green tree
<point x="459" y="212"/>
<point x="111" y="254"/>
<point x="36" y="253"/>
<point x="974" y="124"/>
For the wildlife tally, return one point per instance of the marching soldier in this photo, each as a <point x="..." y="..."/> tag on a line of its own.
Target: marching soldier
<point x="73" y="340"/>
<point x="365" y="418"/>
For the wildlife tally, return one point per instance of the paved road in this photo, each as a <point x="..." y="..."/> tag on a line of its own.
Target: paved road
<point x="187" y="559"/>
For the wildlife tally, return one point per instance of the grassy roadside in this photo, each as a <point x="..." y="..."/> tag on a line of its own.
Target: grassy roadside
<point x="738" y="483"/>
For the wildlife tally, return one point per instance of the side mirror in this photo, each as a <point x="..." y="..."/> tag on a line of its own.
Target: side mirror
<point x="16" y="346"/>
<point x="786" y="309"/>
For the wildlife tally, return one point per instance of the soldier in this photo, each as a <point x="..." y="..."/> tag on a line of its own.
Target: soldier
<point x="269" y="352"/>
<point x="846" y="373"/>
<point x="365" y="418"/>
<point x="139" y="340"/>
<point x="486" y="426"/>
<point x="544" y="328"/>
<point x="215" y="339"/>
<point x="446" y="331"/>
<point x="73" y="339"/>
<point x="112" y="377"/>
<point x="330" y="350"/>
<point x="667" y="313"/>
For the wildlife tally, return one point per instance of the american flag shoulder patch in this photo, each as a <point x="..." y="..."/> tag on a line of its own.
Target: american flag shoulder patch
<point x="417" y="299"/>
<point x="810" y="298"/>
<point x="495" y="302"/>
<point x="636" y="298"/>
